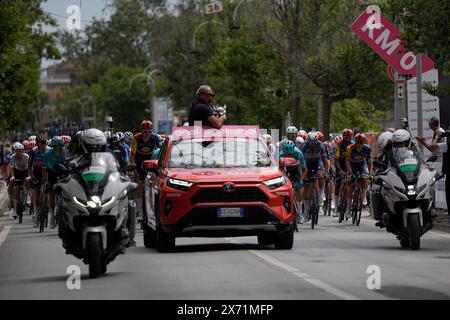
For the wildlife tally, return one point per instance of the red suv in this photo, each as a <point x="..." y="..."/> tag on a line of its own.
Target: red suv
<point x="216" y="183"/>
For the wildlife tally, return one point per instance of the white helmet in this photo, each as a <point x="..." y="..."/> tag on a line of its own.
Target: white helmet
<point x="18" y="146"/>
<point x="291" y="129"/>
<point x="313" y="136"/>
<point x="401" y="136"/>
<point x="299" y="141"/>
<point x="32" y="138"/>
<point x="94" y="140"/>
<point x="267" y="137"/>
<point x="384" y="140"/>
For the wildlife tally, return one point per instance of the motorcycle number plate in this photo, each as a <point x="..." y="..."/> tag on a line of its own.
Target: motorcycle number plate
<point x="230" y="212"/>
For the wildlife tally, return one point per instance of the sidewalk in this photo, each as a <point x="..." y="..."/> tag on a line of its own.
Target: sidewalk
<point x="3" y="199"/>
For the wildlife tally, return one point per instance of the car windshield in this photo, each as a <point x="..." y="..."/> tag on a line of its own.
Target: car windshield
<point x="220" y="153"/>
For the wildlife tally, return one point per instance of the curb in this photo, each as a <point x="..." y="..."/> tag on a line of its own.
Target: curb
<point x="443" y="227"/>
<point x="3" y="199"/>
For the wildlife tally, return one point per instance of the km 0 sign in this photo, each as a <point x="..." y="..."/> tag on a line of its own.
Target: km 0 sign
<point x="385" y="40"/>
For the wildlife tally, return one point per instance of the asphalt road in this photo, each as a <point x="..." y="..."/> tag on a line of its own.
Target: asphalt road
<point x="329" y="262"/>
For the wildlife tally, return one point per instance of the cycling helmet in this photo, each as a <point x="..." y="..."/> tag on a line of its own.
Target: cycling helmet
<point x="26" y="144"/>
<point x="129" y="135"/>
<point x="18" y="147"/>
<point x="32" y="144"/>
<point x="94" y="140"/>
<point x="267" y="137"/>
<point x="320" y="136"/>
<point x="360" y="138"/>
<point x="299" y="141"/>
<point x="115" y="138"/>
<point x="291" y="130"/>
<point x="120" y="135"/>
<point x="32" y="138"/>
<point x="108" y="134"/>
<point x="303" y="134"/>
<point x="57" y="141"/>
<point x="146" y="125"/>
<point x="347" y="133"/>
<point x="313" y="136"/>
<point x="288" y="147"/>
<point x="66" y="139"/>
<point x="49" y="141"/>
<point x="337" y="139"/>
<point x="384" y="140"/>
<point x="41" y="138"/>
<point x="401" y="138"/>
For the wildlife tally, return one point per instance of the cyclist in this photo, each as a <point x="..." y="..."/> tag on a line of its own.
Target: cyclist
<point x="340" y="158"/>
<point x="35" y="169"/>
<point x="358" y="161"/>
<point x="298" y="174"/>
<point x="52" y="157"/>
<point x="142" y="147"/>
<point x="18" y="170"/>
<point x="384" y="146"/>
<point x="118" y="147"/>
<point x="291" y="133"/>
<point x="128" y="137"/>
<point x="316" y="162"/>
<point x="299" y="142"/>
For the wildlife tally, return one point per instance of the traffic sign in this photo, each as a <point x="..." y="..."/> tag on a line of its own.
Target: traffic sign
<point x="214" y="7"/>
<point x="400" y="90"/>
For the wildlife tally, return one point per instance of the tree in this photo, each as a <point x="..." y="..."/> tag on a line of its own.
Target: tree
<point x="22" y="45"/>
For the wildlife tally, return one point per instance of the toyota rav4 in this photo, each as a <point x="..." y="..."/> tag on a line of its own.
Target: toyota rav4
<point x="216" y="183"/>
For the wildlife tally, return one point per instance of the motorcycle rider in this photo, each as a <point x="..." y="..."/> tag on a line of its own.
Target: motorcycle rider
<point x="267" y="138"/>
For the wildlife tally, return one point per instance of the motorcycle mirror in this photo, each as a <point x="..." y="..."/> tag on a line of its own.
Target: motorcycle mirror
<point x="432" y="159"/>
<point x="62" y="168"/>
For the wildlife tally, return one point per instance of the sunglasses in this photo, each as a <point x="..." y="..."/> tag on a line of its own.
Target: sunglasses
<point x="210" y="94"/>
<point x="19" y="151"/>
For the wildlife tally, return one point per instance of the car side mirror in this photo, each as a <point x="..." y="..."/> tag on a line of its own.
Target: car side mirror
<point x="432" y="159"/>
<point x="150" y="166"/>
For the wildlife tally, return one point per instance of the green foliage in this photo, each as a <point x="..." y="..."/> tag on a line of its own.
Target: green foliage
<point x="22" y="44"/>
<point x="352" y="113"/>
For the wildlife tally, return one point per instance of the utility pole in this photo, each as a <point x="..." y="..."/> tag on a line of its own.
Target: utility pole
<point x="419" y="97"/>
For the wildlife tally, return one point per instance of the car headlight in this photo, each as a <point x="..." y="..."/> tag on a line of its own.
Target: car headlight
<point x="275" y="183"/>
<point x="179" y="184"/>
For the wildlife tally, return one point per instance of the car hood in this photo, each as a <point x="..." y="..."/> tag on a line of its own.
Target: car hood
<point x="220" y="175"/>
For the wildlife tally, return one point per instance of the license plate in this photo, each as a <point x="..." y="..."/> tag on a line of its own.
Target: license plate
<point x="230" y="212"/>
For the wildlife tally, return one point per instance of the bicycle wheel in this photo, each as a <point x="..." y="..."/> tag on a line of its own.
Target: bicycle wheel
<point x="358" y="207"/>
<point x="314" y="209"/>
<point x="43" y="214"/>
<point x="341" y="205"/>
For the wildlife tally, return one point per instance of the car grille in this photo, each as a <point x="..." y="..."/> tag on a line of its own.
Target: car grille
<point x="241" y="194"/>
<point x="208" y="216"/>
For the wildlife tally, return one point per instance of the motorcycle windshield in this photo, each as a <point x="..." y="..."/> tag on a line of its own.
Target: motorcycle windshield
<point x="408" y="165"/>
<point x="96" y="175"/>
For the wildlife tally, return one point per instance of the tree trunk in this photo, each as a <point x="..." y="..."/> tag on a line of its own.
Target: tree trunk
<point x="295" y="109"/>
<point x="324" y="113"/>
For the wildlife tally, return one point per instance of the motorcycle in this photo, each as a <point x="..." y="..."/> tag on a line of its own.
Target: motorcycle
<point x="95" y="211"/>
<point x="407" y="197"/>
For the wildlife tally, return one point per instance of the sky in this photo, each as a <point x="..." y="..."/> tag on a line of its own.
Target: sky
<point x="88" y="10"/>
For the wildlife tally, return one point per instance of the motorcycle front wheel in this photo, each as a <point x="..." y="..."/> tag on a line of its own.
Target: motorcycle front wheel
<point x="414" y="231"/>
<point x="94" y="255"/>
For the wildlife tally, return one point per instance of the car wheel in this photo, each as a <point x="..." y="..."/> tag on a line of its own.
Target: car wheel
<point x="265" y="239"/>
<point x="165" y="242"/>
<point x="149" y="237"/>
<point x="285" y="240"/>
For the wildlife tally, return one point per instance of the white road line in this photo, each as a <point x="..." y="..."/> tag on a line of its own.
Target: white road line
<point x="4" y="234"/>
<point x="298" y="273"/>
<point x="441" y="234"/>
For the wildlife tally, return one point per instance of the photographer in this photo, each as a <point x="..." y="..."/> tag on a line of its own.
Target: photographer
<point x="203" y="110"/>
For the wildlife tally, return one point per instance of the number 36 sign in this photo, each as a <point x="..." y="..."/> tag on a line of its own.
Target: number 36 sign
<point x="214" y="7"/>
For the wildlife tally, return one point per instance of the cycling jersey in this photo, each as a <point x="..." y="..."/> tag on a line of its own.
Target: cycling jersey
<point x="295" y="174"/>
<point x="20" y="166"/>
<point x="358" y="158"/>
<point x="143" y="150"/>
<point x="36" y="162"/>
<point x="340" y="153"/>
<point x="315" y="155"/>
<point x="50" y="162"/>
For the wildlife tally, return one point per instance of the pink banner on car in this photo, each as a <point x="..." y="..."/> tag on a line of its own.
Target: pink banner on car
<point x="208" y="132"/>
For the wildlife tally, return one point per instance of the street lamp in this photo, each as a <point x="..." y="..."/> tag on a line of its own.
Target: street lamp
<point x="194" y="51"/>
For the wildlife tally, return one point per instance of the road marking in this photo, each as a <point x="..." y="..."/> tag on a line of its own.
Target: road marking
<point x="4" y="234"/>
<point x="441" y="234"/>
<point x="300" y="274"/>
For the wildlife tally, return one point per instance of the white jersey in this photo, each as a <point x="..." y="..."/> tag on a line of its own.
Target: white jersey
<point x="19" y="164"/>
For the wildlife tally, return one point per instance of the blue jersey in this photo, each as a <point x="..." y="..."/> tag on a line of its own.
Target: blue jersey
<point x="124" y="158"/>
<point x="51" y="160"/>
<point x="314" y="152"/>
